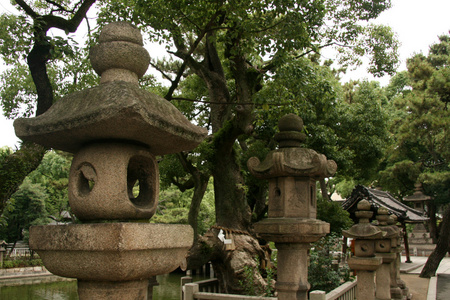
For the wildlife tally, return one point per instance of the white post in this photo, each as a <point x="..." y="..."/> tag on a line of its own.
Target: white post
<point x="317" y="295"/>
<point x="189" y="290"/>
<point x="184" y="280"/>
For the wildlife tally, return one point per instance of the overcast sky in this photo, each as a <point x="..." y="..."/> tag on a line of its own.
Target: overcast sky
<point x="417" y="23"/>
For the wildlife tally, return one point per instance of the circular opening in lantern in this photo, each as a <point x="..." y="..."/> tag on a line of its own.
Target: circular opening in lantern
<point x="141" y="181"/>
<point x="86" y="179"/>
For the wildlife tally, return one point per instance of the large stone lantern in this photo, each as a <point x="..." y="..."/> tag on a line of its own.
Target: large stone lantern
<point x="292" y="172"/>
<point x="115" y="130"/>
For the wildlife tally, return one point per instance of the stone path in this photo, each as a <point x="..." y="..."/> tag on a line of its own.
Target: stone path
<point x="438" y="287"/>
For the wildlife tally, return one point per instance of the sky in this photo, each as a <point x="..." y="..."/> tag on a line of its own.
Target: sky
<point x="417" y="23"/>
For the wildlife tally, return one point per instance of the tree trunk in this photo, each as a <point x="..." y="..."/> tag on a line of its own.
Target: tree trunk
<point x="37" y="62"/>
<point x="432" y="222"/>
<point x="230" y="117"/>
<point x="441" y="249"/>
<point x="200" y="185"/>
<point x="324" y="190"/>
<point x="232" y="210"/>
<point x="238" y="270"/>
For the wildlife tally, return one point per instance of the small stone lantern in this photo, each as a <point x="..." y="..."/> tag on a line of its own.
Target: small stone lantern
<point x="419" y="199"/>
<point x="115" y="131"/>
<point x="292" y="172"/>
<point x="364" y="261"/>
<point x="398" y="286"/>
<point x="384" y="250"/>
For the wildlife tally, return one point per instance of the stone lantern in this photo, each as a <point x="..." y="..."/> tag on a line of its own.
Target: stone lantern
<point x="418" y="198"/>
<point x="364" y="261"/>
<point x="399" y="290"/>
<point x="115" y="130"/>
<point x="292" y="172"/>
<point x="385" y="251"/>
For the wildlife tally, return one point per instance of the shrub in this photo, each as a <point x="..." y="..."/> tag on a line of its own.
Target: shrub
<point x="322" y="274"/>
<point x="19" y="263"/>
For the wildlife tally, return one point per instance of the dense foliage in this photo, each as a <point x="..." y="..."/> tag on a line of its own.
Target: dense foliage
<point x="324" y="272"/>
<point x="40" y="199"/>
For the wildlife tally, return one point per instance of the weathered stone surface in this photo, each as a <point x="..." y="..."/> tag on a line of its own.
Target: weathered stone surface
<point x="119" y="55"/>
<point x="292" y="162"/>
<point x="100" y="290"/>
<point x="292" y="283"/>
<point x="102" y="178"/>
<point x="121" y="31"/>
<point x="115" y="131"/>
<point x="364" y="230"/>
<point x="292" y="197"/>
<point x="111" y="251"/>
<point x="120" y="50"/>
<point x="112" y="111"/>
<point x="364" y="263"/>
<point x="290" y="159"/>
<point x="292" y="230"/>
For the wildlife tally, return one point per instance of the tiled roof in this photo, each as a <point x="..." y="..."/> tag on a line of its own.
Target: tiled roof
<point x="379" y="198"/>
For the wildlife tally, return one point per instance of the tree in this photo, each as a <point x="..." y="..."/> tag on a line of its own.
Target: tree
<point x="24" y="207"/>
<point x="420" y="138"/>
<point x="181" y="172"/>
<point x="27" y="36"/>
<point x="53" y="175"/>
<point x="230" y="50"/>
<point x="41" y="198"/>
<point x="234" y="48"/>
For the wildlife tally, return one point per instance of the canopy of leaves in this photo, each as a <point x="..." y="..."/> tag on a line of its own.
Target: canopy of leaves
<point x="347" y="124"/>
<point x="60" y="52"/>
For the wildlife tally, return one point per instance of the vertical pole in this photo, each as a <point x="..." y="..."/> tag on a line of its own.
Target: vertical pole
<point x="405" y="239"/>
<point x="184" y="280"/>
<point x="344" y="248"/>
<point x="189" y="290"/>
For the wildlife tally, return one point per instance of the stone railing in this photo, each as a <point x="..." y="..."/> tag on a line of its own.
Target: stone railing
<point x="347" y="291"/>
<point x="209" y="289"/>
<point x="207" y="285"/>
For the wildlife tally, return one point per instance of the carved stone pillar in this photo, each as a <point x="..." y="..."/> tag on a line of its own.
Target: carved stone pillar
<point x="397" y="285"/>
<point x="364" y="261"/>
<point x="384" y="251"/>
<point x="292" y="172"/>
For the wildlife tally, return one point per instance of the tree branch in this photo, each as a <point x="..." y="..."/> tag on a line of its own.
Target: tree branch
<point x="61" y="8"/>
<point x="187" y="57"/>
<point x="28" y="10"/>
<point x="72" y="24"/>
